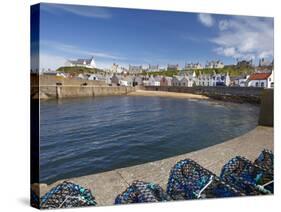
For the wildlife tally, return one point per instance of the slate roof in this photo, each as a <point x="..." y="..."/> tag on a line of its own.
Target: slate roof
<point x="81" y="61"/>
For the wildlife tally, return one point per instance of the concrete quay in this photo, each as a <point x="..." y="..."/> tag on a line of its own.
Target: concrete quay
<point x="107" y="185"/>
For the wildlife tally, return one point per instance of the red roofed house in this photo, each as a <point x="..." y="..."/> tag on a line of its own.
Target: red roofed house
<point x="264" y="80"/>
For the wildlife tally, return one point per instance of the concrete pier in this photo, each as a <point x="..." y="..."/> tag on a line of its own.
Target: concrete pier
<point x="106" y="186"/>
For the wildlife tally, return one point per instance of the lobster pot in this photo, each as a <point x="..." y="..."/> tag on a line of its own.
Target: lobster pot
<point x="265" y="160"/>
<point x="140" y="192"/>
<point x="34" y="199"/>
<point x="189" y="180"/>
<point x="244" y="175"/>
<point x="67" y="195"/>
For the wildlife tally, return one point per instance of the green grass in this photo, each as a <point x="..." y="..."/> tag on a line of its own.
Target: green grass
<point x="78" y="70"/>
<point x="169" y="73"/>
<point x="231" y="70"/>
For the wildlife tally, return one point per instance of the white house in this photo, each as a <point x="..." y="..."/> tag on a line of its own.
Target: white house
<point x="92" y="77"/>
<point x="265" y="80"/>
<point x="241" y="81"/>
<point x="135" y="69"/>
<point x="204" y="80"/>
<point x="126" y="81"/>
<point x="214" y="64"/>
<point x="115" y="80"/>
<point x="115" y="68"/>
<point x="176" y="80"/>
<point x="153" y="81"/>
<point x="81" y="76"/>
<point x="172" y="67"/>
<point x="60" y="74"/>
<point x="264" y="62"/>
<point x="166" y="81"/>
<point x="153" y="68"/>
<point x="88" y="63"/>
<point x="220" y="80"/>
<point x="108" y="79"/>
<point x="137" y="80"/>
<point x="186" y="81"/>
<point x="123" y="82"/>
<point x="193" y="66"/>
<point x="213" y="80"/>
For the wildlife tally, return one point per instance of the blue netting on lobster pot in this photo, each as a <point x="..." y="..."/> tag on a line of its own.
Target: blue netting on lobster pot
<point x="189" y="180"/>
<point x="67" y="195"/>
<point x="265" y="160"/>
<point x="243" y="174"/>
<point x="140" y="192"/>
<point x="34" y="199"/>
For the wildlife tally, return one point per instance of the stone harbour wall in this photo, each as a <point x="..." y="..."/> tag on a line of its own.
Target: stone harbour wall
<point x="49" y="92"/>
<point x="53" y="80"/>
<point x="234" y="94"/>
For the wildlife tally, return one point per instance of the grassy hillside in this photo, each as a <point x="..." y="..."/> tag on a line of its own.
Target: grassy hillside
<point x="232" y="70"/>
<point x="78" y="70"/>
<point x="163" y="73"/>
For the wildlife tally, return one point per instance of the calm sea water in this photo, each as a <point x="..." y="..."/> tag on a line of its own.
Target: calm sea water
<point x="90" y="135"/>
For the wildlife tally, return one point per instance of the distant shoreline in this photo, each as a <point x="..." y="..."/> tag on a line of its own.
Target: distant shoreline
<point x="167" y="94"/>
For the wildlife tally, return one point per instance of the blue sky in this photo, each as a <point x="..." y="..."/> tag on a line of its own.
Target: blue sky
<point x="142" y="37"/>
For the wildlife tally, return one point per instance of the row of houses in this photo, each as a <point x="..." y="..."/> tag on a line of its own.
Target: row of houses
<point x="186" y="80"/>
<point x="265" y="79"/>
<point x="214" y="64"/>
<point x="174" y="67"/>
<point x="137" y="69"/>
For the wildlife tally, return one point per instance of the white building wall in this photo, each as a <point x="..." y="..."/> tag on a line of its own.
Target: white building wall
<point x="257" y="83"/>
<point x="270" y="80"/>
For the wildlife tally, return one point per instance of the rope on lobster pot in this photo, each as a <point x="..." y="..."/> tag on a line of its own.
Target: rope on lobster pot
<point x="206" y="186"/>
<point x="263" y="189"/>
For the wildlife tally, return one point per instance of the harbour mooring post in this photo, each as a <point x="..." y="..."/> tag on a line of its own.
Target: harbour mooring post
<point x="58" y="91"/>
<point x="267" y="108"/>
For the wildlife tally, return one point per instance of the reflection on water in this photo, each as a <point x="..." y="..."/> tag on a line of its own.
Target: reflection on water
<point x="90" y="135"/>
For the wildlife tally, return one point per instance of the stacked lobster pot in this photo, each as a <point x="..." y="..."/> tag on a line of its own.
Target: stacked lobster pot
<point x="34" y="199"/>
<point x="140" y="192"/>
<point x="252" y="178"/>
<point x="67" y="195"/>
<point x="265" y="160"/>
<point x="189" y="180"/>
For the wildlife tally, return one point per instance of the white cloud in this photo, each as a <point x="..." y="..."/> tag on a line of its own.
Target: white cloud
<point x="86" y="11"/>
<point x="229" y="52"/>
<point x="245" y="37"/>
<point x="71" y="49"/>
<point x="53" y="62"/>
<point x="206" y="19"/>
<point x="224" y="25"/>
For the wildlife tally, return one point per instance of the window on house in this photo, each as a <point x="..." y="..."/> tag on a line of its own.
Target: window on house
<point x="272" y="84"/>
<point x="262" y="84"/>
<point x="257" y="84"/>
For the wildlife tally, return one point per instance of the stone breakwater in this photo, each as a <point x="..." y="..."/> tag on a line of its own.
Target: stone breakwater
<point x="51" y="92"/>
<point x="233" y="94"/>
<point x="168" y="94"/>
<point x="51" y="87"/>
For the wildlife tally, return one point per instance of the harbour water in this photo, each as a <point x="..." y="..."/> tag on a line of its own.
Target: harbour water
<point x="83" y="136"/>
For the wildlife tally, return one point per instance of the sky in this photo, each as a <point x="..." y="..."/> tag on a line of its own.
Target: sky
<point x="142" y="37"/>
